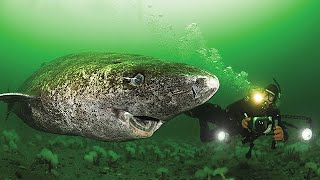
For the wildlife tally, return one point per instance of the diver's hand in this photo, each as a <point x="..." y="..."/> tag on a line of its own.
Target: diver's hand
<point x="278" y="134"/>
<point x="245" y="122"/>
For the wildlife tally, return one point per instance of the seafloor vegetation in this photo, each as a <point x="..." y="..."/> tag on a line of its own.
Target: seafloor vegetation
<point x="46" y="156"/>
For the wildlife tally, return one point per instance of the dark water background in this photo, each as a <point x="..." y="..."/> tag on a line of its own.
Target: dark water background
<point x="259" y="39"/>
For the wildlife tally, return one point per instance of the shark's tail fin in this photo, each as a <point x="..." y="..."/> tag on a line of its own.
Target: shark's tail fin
<point x="12" y="98"/>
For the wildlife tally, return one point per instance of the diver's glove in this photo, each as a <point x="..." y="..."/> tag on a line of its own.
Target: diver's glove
<point x="245" y="122"/>
<point x="278" y="134"/>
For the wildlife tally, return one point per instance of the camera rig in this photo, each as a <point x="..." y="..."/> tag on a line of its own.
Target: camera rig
<point x="266" y="124"/>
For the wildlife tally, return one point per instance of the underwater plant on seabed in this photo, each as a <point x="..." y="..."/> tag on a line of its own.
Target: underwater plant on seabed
<point x="10" y="138"/>
<point x="208" y="173"/>
<point x="205" y="173"/>
<point x="177" y="152"/>
<point x="141" y="151"/>
<point x="67" y="142"/>
<point x="185" y="151"/>
<point x="112" y="157"/>
<point x="296" y="152"/>
<point x="91" y="157"/>
<point x="312" y="170"/>
<point x="49" y="158"/>
<point x="102" y="153"/>
<point x="130" y="152"/>
<point x="158" y="153"/>
<point x="162" y="173"/>
<point x="95" y="155"/>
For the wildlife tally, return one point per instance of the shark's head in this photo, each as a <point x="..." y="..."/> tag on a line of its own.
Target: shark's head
<point x="149" y="93"/>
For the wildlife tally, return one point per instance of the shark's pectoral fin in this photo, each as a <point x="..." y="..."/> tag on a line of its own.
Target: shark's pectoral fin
<point x="13" y="98"/>
<point x="16" y="97"/>
<point x="9" y="109"/>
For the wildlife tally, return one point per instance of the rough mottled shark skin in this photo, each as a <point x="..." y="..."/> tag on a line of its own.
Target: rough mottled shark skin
<point x="93" y="95"/>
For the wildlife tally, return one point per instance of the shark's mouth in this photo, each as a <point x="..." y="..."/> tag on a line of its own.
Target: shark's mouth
<point x="144" y="123"/>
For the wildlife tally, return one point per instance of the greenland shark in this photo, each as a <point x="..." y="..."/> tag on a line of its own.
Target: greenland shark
<point x="109" y="96"/>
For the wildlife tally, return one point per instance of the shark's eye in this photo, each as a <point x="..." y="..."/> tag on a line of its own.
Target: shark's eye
<point x="137" y="80"/>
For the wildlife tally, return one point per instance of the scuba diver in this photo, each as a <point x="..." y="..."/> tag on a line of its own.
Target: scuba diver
<point x="252" y="116"/>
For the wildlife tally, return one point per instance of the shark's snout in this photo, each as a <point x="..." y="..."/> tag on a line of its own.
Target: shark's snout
<point x="205" y="86"/>
<point x="213" y="83"/>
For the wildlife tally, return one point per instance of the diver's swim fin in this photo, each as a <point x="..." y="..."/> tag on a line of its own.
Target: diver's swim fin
<point x="16" y="97"/>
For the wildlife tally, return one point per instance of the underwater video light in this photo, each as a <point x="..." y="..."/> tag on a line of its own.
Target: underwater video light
<point x="306" y="134"/>
<point x="258" y="97"/>
<point x="222" y="136"/>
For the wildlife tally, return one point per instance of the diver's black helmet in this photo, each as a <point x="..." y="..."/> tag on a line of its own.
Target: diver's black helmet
<point x="273" y="89"/>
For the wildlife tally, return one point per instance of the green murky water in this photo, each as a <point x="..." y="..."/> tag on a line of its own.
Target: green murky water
<point x="244" y="43"/>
